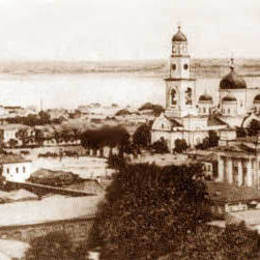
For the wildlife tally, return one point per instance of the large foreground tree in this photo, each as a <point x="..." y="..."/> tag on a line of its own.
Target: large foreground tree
<point x="148" y="211"/>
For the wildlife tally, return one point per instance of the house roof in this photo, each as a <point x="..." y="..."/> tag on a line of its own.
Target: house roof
<point x="14" y="158"/>
<point x="212" y="157"/>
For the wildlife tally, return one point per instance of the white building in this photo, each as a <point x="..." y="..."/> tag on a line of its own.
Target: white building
<point x="239" y="162"/>
<point x="15" y="168"/>
<point x="190" y="117"/>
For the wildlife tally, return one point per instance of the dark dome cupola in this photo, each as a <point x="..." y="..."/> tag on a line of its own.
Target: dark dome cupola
<point x="205" y="98"/>
<point x="257" y="99"/>
<point x="179" y="36"/>
<point x="232" y="80"/>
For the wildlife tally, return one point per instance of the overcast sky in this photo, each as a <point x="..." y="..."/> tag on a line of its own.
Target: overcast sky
<point x="126" y="29"/>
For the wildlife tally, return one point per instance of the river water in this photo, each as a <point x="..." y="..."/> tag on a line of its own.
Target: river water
<point x="71" y="90"/>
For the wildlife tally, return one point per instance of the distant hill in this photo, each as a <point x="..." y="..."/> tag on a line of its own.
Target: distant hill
<point x="153" y="68"/>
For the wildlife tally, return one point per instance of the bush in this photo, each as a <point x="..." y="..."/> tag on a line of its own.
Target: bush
<point x="208" y="142"/>
<point x="160" y="146"/>
<point x="180" y="145"/>
<point x="234" y="242"/>
<point x="53" y="246"/>
<point x="254" y="128"/>
<point x="115" y="161"/>
<point x="142" y="136"/>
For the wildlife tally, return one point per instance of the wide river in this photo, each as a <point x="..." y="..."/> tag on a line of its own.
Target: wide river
<point x="71" y="90"/>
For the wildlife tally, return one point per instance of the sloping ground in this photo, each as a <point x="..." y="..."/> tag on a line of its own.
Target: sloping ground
<point x="90" y="186"/>
<point x="44" y="211"/>
<point x="231" y="193"/>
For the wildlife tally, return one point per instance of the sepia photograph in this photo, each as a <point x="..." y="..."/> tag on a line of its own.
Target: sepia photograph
<point x="129" y="130"/>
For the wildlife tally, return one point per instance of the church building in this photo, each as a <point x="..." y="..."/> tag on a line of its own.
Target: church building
<point x="191" y="117"/>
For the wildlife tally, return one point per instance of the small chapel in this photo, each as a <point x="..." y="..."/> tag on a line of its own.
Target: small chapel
<point x="189" y="116"/>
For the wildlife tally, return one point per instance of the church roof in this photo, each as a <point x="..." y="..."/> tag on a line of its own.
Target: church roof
<point x="229" y="98"/>
<point x="215" y="121"/>
<point x="174" y="123"/>
<point x="179" y="36"/>
<point x="232" y="81"/>
<point x="257" y="99"/>
<point x="206" y="98"/>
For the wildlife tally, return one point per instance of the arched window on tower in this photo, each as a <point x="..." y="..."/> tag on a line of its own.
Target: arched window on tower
<point x="188" y="96"/>
<point x="173" y="97"/>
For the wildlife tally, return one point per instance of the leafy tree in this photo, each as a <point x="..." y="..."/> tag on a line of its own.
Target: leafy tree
<point x="39" y="136"/>
<point x="142" y="135"/>
<point x="106" y="136"/>
<point x="157" y="109"/>
<point x="148" y="211"/>
<point x="160" y="146"/>
<point x="234" y="242"/>
<point x="44" y="117"/>
<point x="180" y="145"/>
<point x="12" y="142"/>
<point x="123" y="112"/>
<point x="213" y="138"/>
<point x="241" y="132"/>
<point x="208" y="142"/>
<point x="23" y="135"/>
<point x="254" y="127"/>
<point x="53" y="246"/>
<point x="115" y="161"/>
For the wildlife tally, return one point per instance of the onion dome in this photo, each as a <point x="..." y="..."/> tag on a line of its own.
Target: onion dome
<point x="229" y="99"/>
<point x="179" y="36"/>
<point x="205" y="98"/>
<point x="232" y="80"/>
<point x="257" y="99"/>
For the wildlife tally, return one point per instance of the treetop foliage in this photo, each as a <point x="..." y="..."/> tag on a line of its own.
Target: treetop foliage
<point x="148" y="209"/>
<point x="157" y="109"/>
<point x="105" y="136"/>
<point x="142" y="135"/>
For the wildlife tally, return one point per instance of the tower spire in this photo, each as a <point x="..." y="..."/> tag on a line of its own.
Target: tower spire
<point x="232" y="65"/>
<point x="179" y="25"/>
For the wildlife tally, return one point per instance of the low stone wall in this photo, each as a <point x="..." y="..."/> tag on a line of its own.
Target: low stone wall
<point x="77" y="230"/>
<point x="41" y="189"/>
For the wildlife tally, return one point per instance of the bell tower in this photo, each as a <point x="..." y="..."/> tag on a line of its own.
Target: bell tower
<point x="180" y="58"/>
<point x="180" y="88"/>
